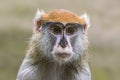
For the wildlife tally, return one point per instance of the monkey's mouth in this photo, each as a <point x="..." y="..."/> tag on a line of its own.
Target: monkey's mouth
<point x="62" y="55"/>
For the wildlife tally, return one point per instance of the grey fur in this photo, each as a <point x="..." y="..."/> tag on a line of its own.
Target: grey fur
<point x="39" y="64"/>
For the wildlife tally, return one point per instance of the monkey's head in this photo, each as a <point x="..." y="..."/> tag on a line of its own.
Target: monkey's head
<point x="61" y="35"/>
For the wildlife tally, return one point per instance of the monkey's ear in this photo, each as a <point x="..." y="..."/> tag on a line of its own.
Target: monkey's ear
<point x="85" y="17"/>
<point x="37" y="20"/>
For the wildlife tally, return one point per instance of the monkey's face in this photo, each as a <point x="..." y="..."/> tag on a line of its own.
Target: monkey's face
<point x="62" y="34"/>
<point x="64" y="40"/>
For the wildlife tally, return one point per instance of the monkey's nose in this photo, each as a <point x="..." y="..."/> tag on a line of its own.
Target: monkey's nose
<point x="63" y="43"/>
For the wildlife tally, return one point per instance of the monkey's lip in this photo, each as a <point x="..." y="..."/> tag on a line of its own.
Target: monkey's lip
<point x="62" y="55"/>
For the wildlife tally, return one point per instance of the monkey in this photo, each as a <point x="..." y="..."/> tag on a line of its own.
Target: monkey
<point x="58" y="47"/>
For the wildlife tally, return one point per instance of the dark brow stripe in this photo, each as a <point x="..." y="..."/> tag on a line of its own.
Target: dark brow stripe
<point x="54" y="22"/>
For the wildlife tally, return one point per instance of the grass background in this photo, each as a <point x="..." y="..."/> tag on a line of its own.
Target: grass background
<point x="16" y="27"/>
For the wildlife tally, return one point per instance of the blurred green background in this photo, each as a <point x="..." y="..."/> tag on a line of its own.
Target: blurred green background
<point x="16" y="27"/>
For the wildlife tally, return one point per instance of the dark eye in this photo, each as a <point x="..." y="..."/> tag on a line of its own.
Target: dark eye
<point x="56" y="29"/>
<point x="71" y="30"/>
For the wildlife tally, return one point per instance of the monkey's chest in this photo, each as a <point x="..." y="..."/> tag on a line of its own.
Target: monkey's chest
<point x="56" y="74"/>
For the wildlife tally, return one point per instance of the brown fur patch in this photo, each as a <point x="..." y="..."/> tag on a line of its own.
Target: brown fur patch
<point x="62" y="15"/>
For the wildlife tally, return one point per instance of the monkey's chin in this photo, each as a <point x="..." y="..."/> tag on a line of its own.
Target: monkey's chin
<point x="62" y="57"/>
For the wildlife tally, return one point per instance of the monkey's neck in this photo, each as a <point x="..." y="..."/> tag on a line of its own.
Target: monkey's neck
<point x="48" y="70"/>
<point x="52" y="70"/>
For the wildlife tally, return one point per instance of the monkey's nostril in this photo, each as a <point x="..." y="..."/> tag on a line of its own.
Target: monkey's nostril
<point x="63" y="43"/>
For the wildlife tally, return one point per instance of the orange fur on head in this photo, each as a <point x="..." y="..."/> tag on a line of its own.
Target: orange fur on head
<point x="62" y="15"/>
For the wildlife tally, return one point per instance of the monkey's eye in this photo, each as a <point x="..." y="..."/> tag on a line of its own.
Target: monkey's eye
<point x="71" y="30"/>
<point x="56" y="29"/>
